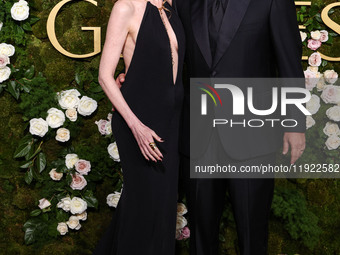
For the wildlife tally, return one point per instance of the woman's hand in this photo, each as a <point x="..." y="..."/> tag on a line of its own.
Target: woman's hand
<point x="144" y="136"/>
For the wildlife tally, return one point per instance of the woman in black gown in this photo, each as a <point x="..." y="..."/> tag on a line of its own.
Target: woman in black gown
<point x="145" y="124"/>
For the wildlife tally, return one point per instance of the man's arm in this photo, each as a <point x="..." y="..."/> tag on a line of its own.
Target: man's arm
<point x="288" y="51"/>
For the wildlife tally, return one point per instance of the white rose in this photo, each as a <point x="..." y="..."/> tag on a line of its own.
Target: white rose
<point x="181" y="209"/>
<point x="333" y="142"/>
<point x="83" y="166"/>
<point x="330" y="76"/>
<point x="4" y="60"/>
<point x="63" y="135"/>
<point x="109" y="116"/>
<point x="82" y="216"/>
<point x="7" y="49"/>
<point x="73" y="223"/>
<point x="38" y="127"/>
<point x="4" y="73"/>
<point x="55" y="118"/>
<point x="68" y="98"/>
<point x="78" y="182"/>
<point x="324" y="36"/>
<point x="71" y="114"/>
<point x="1" y="24"/>
<point x="313" y="69"/>
<point x="316" y="35"/>
<point x="113" y="199"/>
<point x="331" y="129"/>
<point x="315" y="59"/>
<point x="86" y="106"/>
<point x="303" y="36"/>
<point x="310" y="122"/>
<point x="181" y="222"/>
<point x="321" y="83"/>
<point x="44" y="203"/>
<point x="65" y="204"/>
<point x="62" y="228"/>
<point x="331" y="94"/>
<point x="108" y="128"/>
<point x="20" y="10"/>
<point x="55" y="175"/>
<point x="333" y="113"/>
<point x="113" y="151"/>
<point x="313" y="105"/>
<point x="78" y="205"/>
<point x="71" y="160"/>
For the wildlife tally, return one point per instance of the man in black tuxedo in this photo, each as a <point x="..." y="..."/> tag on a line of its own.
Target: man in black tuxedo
<point x="243" y="39"/>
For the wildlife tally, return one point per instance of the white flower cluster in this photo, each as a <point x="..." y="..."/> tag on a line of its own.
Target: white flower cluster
<point x="330" y="94"/>
<point x="68" y="100"/>
<point x="182" y="231"/>
<point x="6" y="51"/>
<point x="104" y="126"/>
<point x="77" y="207"/>
<point x="19" y="11"/>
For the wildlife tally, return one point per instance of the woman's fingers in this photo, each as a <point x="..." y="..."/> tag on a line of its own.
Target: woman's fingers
<point x="148" y="152"/>
<point x="153" y="152"/>
<point x="156" y="136"/>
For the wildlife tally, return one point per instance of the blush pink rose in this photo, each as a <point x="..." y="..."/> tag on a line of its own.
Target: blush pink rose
<point x="102" y="126"/>
<point x="183" y="234"/>
<point x="78" y="182"/>
<point x="311" y="79"/>
<point x="315" y="59"/>
<point x="324" y="36"/>
<point x="83" y="166"/>
<point x="331" y="94"/>
<point x="314" y="44"/>
<point x="4" y="60"/>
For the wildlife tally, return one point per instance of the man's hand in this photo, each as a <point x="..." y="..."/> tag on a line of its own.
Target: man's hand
<point x="297" y="144"/>
<point x="119" y="81"/>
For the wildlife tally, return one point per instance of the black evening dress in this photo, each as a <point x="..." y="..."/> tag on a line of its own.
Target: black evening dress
<point x="144" y="222"/>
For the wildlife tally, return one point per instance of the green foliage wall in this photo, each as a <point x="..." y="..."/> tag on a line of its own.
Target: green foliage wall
<point x="297" y="204"/>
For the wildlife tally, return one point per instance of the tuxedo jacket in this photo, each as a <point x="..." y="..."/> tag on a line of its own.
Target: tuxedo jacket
<point x="258" y="38"/>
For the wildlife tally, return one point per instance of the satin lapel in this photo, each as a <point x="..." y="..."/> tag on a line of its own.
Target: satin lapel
<point x="231" y="21"/>
<point x="199" y="21"/>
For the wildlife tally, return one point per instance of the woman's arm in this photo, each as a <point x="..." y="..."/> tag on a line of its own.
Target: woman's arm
<point x="118" y="29"/>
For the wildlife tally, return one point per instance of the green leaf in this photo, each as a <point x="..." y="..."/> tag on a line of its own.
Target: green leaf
<point x="324" y="63"/>
<point x="78" y="79"/>
<point x="35" y="213"/>
<point x="26" y="165"/>
<point x="41" y="162"/>
<point x="22" y="150"/>
<point x="30" y="72"/>
<point x="33" y="19"/>
<point x="91" y="201"/>
<point x="27" y="27"/>
<point x="13" y="90"/>
<point x="35" y="153"/>
<point x="29" y="176"/>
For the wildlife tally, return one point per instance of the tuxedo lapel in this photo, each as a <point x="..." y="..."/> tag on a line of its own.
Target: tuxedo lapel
<point x="233" y="16"/>
<point x="199" y="21"/>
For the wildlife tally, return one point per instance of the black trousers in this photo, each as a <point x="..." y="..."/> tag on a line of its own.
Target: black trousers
<point x="250" y="199"/>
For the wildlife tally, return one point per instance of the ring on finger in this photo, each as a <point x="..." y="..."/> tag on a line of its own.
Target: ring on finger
<point x="153" y="145"/>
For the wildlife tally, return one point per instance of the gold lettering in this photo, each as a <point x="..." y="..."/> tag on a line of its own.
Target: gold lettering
<point x="53" y="39"/>
<point x="332" y="25"/>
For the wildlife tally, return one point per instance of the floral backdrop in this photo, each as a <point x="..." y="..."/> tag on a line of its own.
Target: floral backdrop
<point x="60" y="176"/>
